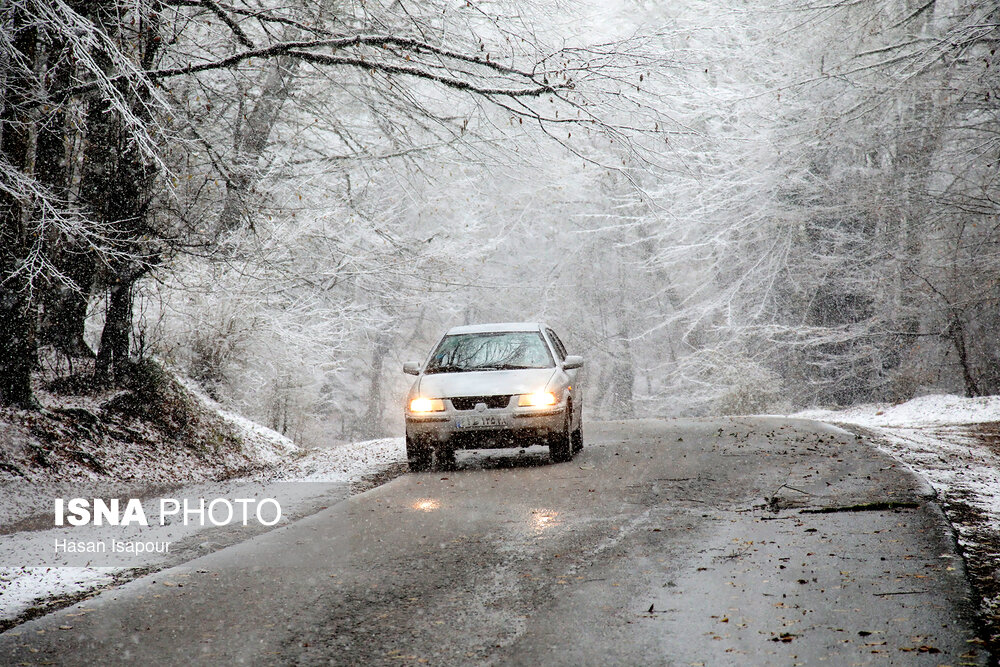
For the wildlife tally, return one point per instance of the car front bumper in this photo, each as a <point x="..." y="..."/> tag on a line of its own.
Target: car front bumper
<point x="516" y="427"/>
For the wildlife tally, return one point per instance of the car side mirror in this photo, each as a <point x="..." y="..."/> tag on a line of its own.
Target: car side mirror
<point x="411" y="368"/>
<point x="573" y="361"/>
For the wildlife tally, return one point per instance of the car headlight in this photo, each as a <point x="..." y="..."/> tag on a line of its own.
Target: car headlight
<point x="537" y="399"/>
<point x="426" y="405"/>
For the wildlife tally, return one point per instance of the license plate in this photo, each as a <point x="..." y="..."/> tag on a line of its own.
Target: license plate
<point x="481" y="421"/>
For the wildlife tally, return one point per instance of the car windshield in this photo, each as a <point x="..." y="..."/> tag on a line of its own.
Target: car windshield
<point x="490" y="352"/>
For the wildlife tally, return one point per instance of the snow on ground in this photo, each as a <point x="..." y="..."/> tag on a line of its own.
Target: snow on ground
<point x="347" y="463"/>
<point x="265" y="444"/>
<point x="919" y="412"/>
<point x="22" y="587"/>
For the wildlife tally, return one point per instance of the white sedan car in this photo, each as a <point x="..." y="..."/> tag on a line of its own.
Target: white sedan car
<point x="492" y="386"/>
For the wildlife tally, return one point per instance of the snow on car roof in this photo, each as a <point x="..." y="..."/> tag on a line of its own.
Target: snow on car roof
<point x="501" y="326"/>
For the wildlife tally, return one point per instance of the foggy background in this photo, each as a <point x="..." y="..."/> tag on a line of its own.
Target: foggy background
<point x="725" y="207"/>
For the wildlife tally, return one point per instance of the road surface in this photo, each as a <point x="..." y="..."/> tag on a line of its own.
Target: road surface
<point x="683" y="542"/>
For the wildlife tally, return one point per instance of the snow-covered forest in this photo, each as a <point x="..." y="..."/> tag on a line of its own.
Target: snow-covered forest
<point x="725" y="206"/>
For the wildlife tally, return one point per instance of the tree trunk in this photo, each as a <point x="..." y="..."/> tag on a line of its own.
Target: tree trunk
<point x="114" y="349"/>
<point x="119" y="192"/>
<point x="64" y="314"/>
<point x="18" y="347"/>
<point x="64" y="307"/>
<point x="251" y="140"/>
<point x="622" y="388"/>
<point x="371" y="425"/>
<point x="623" y="367"/>
<point x="956" y="332"/>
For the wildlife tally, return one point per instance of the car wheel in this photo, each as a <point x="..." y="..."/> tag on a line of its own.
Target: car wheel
<point x="560" y="444"/>
<point x="445" y="456"/>
<point x="578" y="437"/>
<point x="418" y="454"/>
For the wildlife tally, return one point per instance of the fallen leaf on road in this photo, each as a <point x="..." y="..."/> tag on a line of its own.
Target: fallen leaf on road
<point x="919" y="649"/>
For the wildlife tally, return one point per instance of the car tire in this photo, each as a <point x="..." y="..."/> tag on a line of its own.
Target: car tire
<point x="445" y="454"/>
<point x="418" y="454"/>
<point x="578" y="437"/>
<point x="561" y="444"/>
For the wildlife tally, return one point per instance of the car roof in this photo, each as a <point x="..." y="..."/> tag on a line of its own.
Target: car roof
<point x="496" y="327"/>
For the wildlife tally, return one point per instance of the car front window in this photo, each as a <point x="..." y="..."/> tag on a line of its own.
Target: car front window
<point x="490" y="352"/>
<point x="560" y="348"/>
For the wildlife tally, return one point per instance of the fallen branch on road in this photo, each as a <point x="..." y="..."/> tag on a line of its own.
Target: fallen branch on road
<point x="864" y="507"/>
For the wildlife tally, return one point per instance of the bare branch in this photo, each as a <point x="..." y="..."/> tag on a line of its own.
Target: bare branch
<point x="233" y="25"/>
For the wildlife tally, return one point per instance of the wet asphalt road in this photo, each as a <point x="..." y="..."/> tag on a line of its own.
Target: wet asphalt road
<point x="677" y="542"/>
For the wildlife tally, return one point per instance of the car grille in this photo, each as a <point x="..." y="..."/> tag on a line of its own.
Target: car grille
<point x="469" y="402"/>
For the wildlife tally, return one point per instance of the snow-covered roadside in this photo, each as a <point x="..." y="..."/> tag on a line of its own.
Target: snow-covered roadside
<point x="303" y="481"/>
<point x="264" y="444"/>
<point x="934" y="410"/>
<point x="346" y="463"/>
<point x="954" y="443"/>
<point x="83" y="447"/>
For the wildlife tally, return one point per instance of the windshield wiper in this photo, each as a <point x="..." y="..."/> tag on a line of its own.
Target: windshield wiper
<point x="447" y="369"/>
<point x="472" y="369"/>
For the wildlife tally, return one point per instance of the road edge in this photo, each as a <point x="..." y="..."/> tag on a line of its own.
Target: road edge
<point x="975" y="605"/>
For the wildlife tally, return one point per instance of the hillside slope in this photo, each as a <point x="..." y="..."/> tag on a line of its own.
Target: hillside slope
<point x="155" y="431"/>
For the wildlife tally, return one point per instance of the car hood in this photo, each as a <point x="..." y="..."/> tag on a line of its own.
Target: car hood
<point x="484" y="383"/>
